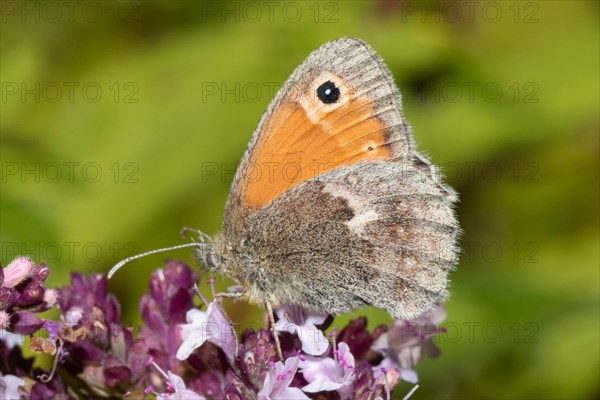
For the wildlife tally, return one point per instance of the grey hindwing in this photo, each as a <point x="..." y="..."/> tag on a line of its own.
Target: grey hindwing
<point x="379" y="233"/>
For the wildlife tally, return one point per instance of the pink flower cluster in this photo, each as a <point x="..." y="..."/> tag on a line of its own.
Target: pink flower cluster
<point x="185" y="352"/>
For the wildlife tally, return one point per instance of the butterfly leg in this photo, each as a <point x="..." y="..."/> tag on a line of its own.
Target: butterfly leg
<point x="233" y="292"/>
<point x="230" y="295"/>
<point x="275" y="336"/>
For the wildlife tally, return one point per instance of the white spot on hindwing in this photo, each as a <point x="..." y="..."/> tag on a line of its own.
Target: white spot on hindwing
<point x="360" y="219"/>
<point x="363" y="212"/>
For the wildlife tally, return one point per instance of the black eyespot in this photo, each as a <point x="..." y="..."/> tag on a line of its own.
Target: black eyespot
<point x="370" y="148"/>
<point x="328" y="93"/>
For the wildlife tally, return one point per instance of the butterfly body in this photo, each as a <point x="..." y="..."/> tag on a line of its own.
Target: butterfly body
<point x="332" y="207"/>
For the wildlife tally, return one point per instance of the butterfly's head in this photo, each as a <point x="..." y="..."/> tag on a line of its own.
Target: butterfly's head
<point x="212" y="255"/>
<point x="208" y="257"/>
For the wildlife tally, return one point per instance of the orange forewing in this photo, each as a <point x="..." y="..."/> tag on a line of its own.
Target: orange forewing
<point x="294" y="147"/>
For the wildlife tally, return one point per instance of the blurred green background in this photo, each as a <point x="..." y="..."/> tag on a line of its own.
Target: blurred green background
<point x="114" y="114"/>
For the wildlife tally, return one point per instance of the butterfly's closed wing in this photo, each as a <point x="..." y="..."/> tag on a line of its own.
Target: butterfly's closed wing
<point x="378" y="233"/>
<point x="332" y="208"/>
<point x="302" y="135"/>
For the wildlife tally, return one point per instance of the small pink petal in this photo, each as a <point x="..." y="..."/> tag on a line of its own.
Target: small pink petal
<point x="4" y="319"/>
<point x="51" y="296"/>
<point x="17" y="270"/>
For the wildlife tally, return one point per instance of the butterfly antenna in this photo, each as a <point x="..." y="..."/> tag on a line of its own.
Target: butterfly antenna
<point x="125" y="261"/>
<point x="201" y="235"/>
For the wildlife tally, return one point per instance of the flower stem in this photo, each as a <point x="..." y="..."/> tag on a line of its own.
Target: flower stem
<point x="411" y="392"/>
<point x="197" y="290"/>
<point x="47" y="378"/>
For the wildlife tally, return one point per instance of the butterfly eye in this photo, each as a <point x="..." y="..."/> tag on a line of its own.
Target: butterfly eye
<point x="328" y="93"/>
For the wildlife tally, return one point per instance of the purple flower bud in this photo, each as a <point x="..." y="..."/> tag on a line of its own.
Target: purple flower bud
<point x="8" y="297"/>
<point x="99" y="287"/>
<point x="170" y="288"/>
<point x="39" y="307"/>
<point x="209" y="370"/>
<point x="136" y="358"/>
<point x="31" y="294"/>
<point x="25" y="323"/>
<point x="117" y="376"/>
<point x="41" y="272"/>
<point x="153" y="319"/>
<point x="53" y="328"/>
<point x="179" y="274"/>
<point x="82" y="350"/>
<point x="111" y="308"/>
<point x="51" y="390"/>
<point x="358" y="338"/>
<point x="17" y="271"/>
<point x="179" y="302"/>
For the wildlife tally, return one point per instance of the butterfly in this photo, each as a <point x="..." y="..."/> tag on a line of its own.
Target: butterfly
<point x="332" y="208"/>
